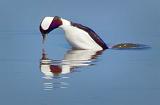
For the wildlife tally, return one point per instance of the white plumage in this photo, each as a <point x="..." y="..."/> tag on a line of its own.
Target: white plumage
<point x="78" y="39"/>
<point x="78" y="36"/>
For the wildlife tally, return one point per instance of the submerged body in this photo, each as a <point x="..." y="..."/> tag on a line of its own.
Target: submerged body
<point x="78" y="36"/>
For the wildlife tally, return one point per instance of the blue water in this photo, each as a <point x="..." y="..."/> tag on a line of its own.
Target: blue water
<point x="113" y="77"/>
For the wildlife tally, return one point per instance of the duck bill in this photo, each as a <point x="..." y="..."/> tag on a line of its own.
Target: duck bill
<point x="44" y="36"/>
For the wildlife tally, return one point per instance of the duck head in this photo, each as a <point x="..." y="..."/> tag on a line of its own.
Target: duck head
<point x="48" y="24"/>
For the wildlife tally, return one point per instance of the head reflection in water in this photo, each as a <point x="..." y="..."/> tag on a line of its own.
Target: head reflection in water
<point x="56" y="69"/>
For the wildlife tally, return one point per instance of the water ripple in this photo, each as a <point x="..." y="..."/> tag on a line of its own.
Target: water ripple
<point x="55" y="70"/>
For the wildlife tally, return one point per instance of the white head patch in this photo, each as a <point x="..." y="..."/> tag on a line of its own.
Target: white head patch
<point x="46" y="22"/>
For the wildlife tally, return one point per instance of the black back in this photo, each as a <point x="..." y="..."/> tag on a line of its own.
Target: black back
<point x="92" y="34"/>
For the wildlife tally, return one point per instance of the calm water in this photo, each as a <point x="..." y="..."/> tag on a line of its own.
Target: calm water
<point x="52" y="74"/>
<point x="36" y="74"/>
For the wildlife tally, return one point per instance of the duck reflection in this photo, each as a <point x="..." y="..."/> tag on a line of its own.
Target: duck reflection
<point x="53" y="69"/>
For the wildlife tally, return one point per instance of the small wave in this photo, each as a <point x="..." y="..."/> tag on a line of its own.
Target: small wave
<point x="130" y="46"/>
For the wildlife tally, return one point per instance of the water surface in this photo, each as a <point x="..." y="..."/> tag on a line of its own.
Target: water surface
<point x="77" y="77"/>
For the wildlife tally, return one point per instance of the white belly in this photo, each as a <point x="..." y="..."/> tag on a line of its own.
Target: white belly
<point x="80" y="39"/>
